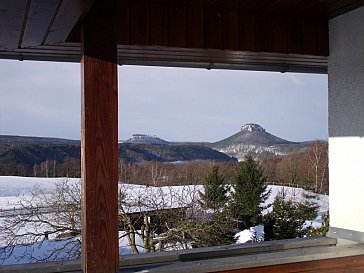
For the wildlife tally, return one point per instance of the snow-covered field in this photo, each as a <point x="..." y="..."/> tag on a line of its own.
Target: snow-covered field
<point x="169" y="197"/>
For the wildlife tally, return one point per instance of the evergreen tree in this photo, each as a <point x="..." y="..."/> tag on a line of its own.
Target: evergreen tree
<point x="287" y="220"/>
<point x="214" y="196"/>
<point x="250" y="191"/>
<point x="215" y="230"/>
<point x="321" y="231"/>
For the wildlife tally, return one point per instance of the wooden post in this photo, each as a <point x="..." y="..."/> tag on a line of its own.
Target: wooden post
<point x="99" y="140"/>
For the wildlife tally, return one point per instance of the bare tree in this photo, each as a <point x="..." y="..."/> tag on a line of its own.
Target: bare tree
<point x="35" y="170"/>
<point x="157" y="218"/>
<point x="43" y="216"/>
<point x="289" y="169"/>
<point x="150" y="219"/>
<point x="157" y="173"/>
<point x="317" y="164"/>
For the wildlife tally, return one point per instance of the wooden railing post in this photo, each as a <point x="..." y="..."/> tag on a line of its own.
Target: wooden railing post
<point x="99" y="140"/>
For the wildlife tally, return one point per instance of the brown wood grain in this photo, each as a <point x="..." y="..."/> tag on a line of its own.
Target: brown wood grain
<point x="178" y="26"/>
<point x="213" y="28"/>
<point x="230" y="29"/>
<point x="159" y="24"/>
<point x="309" y="36"/>
<point x="294" y="35"/>
<point x="247" y="31"/>
<point x="195" y="27"/>
<point x="99" y="144"/>
<point x="263" y="33"/>
<point x="279" y="34"/>
<point x="323" y="38"/>
<point x="222" y="25"/>
<point x="352" y="264"/>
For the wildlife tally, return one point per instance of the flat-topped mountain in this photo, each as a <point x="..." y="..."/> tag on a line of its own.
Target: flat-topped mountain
<point x="253" y="138"/>
<point x="18" y="155"/>
<point x="145" y="139"/>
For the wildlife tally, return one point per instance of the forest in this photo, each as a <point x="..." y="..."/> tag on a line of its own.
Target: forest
<point x="307" y="169"/>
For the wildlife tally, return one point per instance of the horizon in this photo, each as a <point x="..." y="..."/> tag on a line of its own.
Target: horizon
<point x="176" y="104"/>
<point x="149" y="135"/>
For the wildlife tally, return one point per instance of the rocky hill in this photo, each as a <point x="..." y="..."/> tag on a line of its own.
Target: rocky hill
<point x="254" y="139"/>
<point x="18" y="152"/>
<point x="145" y="139"/>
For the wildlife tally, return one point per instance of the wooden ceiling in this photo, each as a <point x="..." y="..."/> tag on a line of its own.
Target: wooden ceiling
<point x="323" y="9"/>
<point x="29" y="23"/>
<point x="260" y="34"/>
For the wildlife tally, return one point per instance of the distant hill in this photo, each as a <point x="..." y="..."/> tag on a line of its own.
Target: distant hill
<point x="145" y="139"/>
<point x="27" y="151"/>
<point x="137" y="152"/>
<point x="8" y="140"/>
<point x="252" y="138"/>
<point x="30" y="154"/>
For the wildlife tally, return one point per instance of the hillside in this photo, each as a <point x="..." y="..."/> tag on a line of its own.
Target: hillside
<point x="30" y="154"/>
<point x="252" y="138"/>
<point x="18" y="155"/>
<point x="8" y="140"/>
<point x="145" y="139"/>
<point x="133" y="152"/>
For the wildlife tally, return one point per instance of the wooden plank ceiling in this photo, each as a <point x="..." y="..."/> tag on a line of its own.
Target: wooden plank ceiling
<point x="277" y="34"/>
<point x="31" y="23"/>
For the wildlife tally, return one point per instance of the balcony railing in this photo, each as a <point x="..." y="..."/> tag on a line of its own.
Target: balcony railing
<point x="305" y="255"/>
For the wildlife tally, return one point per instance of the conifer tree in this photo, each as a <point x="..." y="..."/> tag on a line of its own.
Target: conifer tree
<point x="250" y="191"/>
<point x="214" y="196"/>
<point x="287" y="220"/>
<point x="215" y="230"/>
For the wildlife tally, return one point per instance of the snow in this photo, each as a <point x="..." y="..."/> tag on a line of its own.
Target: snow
<point x="244" y="236"/>
<point x="250" y="127"/>
<point x="43" y="249"/>
<point x="145" y="139"/>
<point x="12" y="187"/>
<point x="15" y="185"/>
<point x="298" y="194"/>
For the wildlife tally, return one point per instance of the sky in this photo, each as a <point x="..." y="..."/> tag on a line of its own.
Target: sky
<point x="176" y="104"/>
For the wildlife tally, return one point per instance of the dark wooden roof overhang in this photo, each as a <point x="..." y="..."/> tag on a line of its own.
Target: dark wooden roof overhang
<point x="276" y="35"/>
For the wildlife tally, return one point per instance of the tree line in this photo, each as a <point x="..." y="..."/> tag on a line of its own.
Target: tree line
<point x="307" y="169"/>
<point x="159" y="218"/>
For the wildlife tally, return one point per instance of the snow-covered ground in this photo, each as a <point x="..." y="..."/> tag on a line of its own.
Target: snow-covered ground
<point x="298" y="195"/>
<point x="168" y="197"/>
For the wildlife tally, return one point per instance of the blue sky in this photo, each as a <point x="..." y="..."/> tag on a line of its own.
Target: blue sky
<point x="43" y="99"/>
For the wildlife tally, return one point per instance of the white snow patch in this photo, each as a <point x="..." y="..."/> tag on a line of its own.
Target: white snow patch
<point x="163" y="197"/>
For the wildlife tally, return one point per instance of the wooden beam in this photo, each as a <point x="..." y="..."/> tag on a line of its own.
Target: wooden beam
<point x="39" y="18"/>
<point x="12" y="21"/>
<point x="99" y="140"/>
<point x="67" y="14"/>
